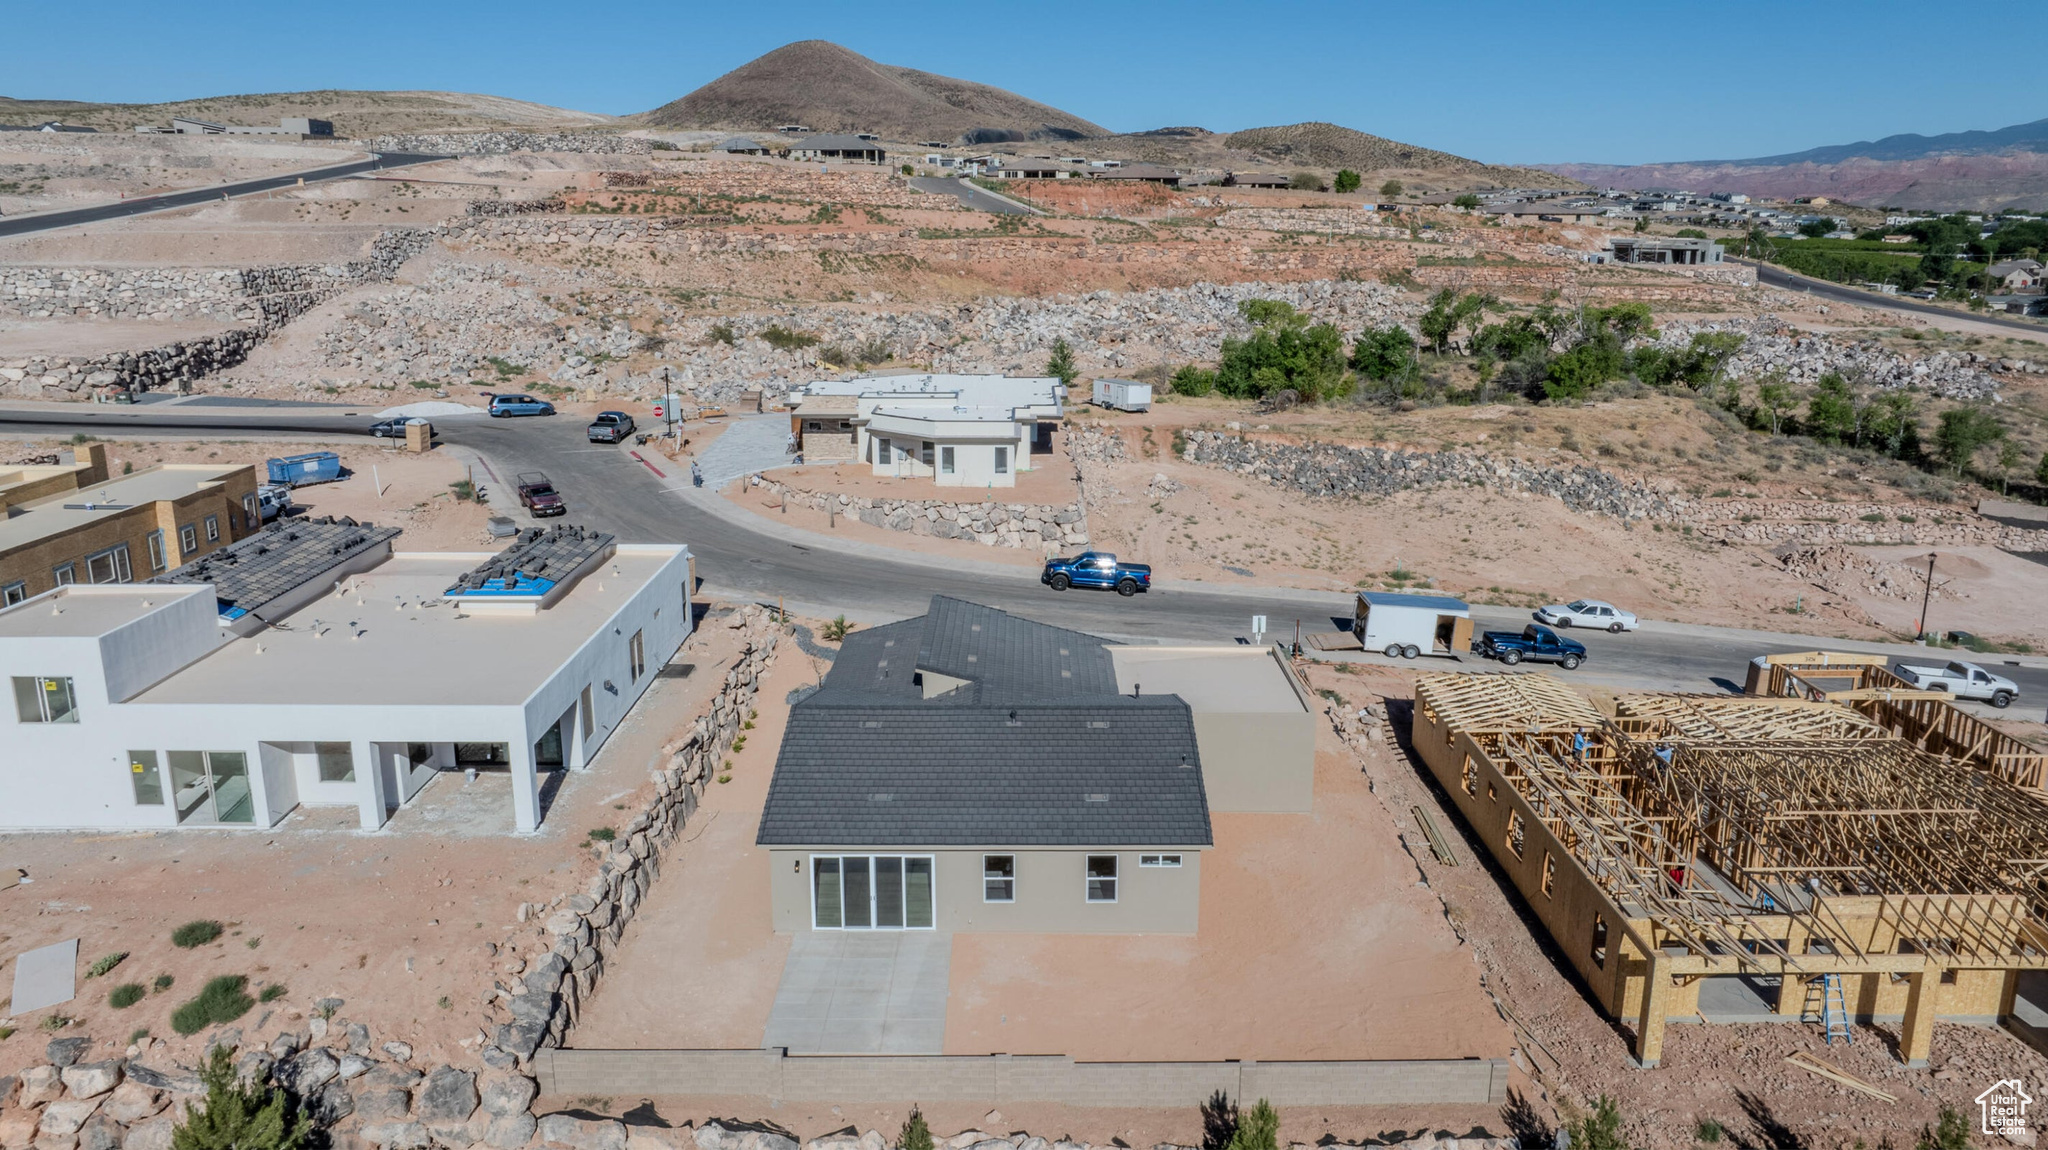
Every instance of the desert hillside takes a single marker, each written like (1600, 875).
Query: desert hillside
(354, 113)
(833, 89)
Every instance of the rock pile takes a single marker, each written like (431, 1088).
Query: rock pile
(1328, 221)
(1329, 471)
(1772, 347)
(543, 997)
(1040, 527)
(501, 208)
(498, 143)
(1846, 572)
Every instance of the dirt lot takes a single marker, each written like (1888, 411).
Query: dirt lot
(399, 923)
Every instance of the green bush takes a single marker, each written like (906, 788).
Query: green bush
(126, 995)
(105, 963)
(1061, 363)
(1384, 353)
(783, 339)
(1468, 201)
(272, 993)
(1257, 1129)
(915, 1134)
(1347, 181)
(240, 1114)
(163, 982)
(1390, 189)
(197, 933)
(604, 834)
(222, 999)
(1192, 380)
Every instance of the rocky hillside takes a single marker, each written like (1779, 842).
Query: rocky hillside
(832, 89)
(1980, 171)
(356, 114)
(1318, 147)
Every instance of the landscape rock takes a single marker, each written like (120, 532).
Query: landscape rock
(131, 1102)
(176, 1079)
(382, 1105)
(571, 1133)
(511, 1131)
(99, 1133)
(396, 1135)
(507, 1093)
(65, 1118)
(155, 1134)
(18, 1128)
(40, 1084)
(63, 1052)
(448, 1096)
(309, 1071)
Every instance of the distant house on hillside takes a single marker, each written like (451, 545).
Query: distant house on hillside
(2017, 275)
(58, 126)
(838, 147)
(1031, 169)
(1663, 250)
(742, 146)
(1253, 180)
(303, 127)
(1139, 173)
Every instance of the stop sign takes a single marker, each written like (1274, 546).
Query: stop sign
(657, 411)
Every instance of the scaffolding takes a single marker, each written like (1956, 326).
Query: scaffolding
(1696, 836)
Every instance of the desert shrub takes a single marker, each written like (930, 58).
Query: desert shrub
(126, 995)
(272, 993)
(1347, 181)
(196, 933)
(915, 1134)
(163, 982)
(720, 333)
(1192, 380)
(783, 339)
(105, 963)
(240, 1113)
(1257, 1129)
(834, 355)
(604, 835)
(222, 999)
(1390, 189)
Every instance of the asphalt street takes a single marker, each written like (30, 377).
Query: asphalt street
(1777, 277)
(968, 193)
(121, 209)
(649, 499)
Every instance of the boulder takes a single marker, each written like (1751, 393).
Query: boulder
(392, 1077)
(353, 1066)
(175, 1078)
(333, 1103)
(766, 1140)
(255, 1066)
(62, 1119)
(396, 1135)
(656, 1138)
(401, 1051)
(99, 1133)
(712, 1136)
(309, 1072)
(507, 1093)
(448, 1096)
(63, 1052)
(18, 1128)
(131, 1102)
(40, 1084)
(383, 1105)
(154, 1134)
(511, 1131)
(563, 1130)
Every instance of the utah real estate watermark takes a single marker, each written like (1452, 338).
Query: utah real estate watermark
(2003, 1108)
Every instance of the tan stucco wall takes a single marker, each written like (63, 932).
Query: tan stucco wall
(35, 563)
(1261, 761)
(1051, 891)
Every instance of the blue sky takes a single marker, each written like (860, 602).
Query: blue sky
(1503, 82)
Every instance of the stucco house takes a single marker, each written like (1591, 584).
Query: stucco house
(956, 430)
(310, 664)
(971, 770)
(2016, 275)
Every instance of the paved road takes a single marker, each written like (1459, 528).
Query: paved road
(611, 490)
(974, 196)
(45, 221)
(1777, 277)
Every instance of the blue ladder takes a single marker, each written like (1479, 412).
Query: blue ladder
(1834, 1010)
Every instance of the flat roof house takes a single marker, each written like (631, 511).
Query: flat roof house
(72, 523)
(838, 147)
(1146, 173)
(1668, 250)
(957, 430)
(309, 664)
(971, 770)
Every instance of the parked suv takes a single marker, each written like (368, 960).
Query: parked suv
(610, 427)
(503, 405)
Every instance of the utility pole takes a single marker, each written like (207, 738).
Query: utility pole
(1925, 595)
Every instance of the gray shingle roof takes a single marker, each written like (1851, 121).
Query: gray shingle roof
(859, 770)
(255, 571)
(1039, 749)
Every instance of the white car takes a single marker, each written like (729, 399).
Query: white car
(1588, 613)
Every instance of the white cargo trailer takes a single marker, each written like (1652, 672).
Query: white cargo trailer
(1123, 394)
(1400, 625)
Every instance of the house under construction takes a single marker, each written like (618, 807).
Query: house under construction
(1870, 857)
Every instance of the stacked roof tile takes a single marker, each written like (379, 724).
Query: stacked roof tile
(251, 573)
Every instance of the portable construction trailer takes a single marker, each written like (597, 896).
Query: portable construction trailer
(1123, 394)
(1401, 625)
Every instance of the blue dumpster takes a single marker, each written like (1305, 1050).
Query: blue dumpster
(300, 470)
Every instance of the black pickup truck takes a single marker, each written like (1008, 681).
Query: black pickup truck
(1536, 643)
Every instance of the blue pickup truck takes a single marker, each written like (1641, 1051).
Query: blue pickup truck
(1098, 569)
(1536, 643)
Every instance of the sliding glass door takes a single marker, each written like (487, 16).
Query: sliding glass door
(871, 892)
(211, 786)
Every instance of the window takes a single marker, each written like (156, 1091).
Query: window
(1549, 872)
(1158, 860)
(1514, 840)
(1492, 795)
(1471, 777)
(66, 575)
(38, 699)
(881, 450)
(924, 452)
(871, 892)
(13, 593)
(1101, 873)
(337, 762)
(251, 515)
(637, 654)
(148, 778)
(1002, 461)
(109, 566)
(156, 551)
(213, 529)
(945, 461)
(999, 878)
(188, 539)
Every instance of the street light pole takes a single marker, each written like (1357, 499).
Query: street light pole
(1925, 595)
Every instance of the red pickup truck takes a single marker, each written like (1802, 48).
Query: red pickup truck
(538, 495)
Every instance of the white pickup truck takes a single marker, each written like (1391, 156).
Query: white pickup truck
(1963, 680)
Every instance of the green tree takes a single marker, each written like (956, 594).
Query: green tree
(1831, 412)
(916, 1135)
(1390, 189)
(1600, 1130)
(1773, 400)
(1384, 353)
(906, 169)
(1269, 313)
(1440, 320)
(1192, 380)
(1815, 229)
(240, 1115)
(1707, 356)
(1061, 362)
(2010, 456)
(1962, 432)
(1470, 313)
(1642, 223)
(1347, 181)
(1951, 1131)
(1279, 356)
(1307, 182)
(1257, 1129)
(1468, 200)
(1691, 234)
(1938, 266)
(1891, 424)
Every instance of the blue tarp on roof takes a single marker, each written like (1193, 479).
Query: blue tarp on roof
(1401, 599)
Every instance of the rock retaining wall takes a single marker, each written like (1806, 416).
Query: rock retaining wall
(498, 143)
(1029, 525)
(544, 998)
(572, 1132)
